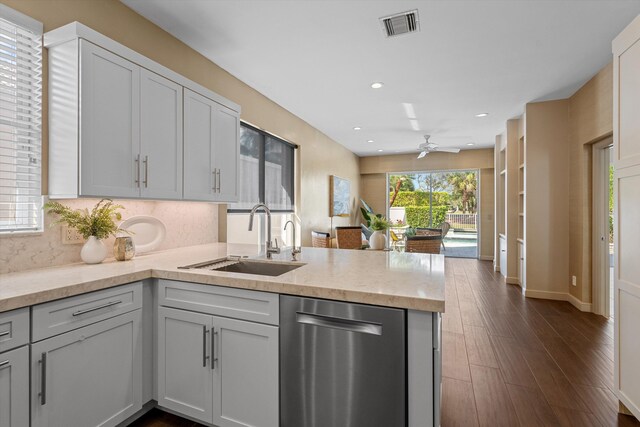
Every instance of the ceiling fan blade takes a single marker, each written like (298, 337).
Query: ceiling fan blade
(448, 150)
(422, 154)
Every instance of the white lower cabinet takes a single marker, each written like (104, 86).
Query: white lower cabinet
(91, 376)
(218, 370)
(14, 388)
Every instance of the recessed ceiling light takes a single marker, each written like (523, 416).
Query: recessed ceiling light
(471, 143)
(357, 128)
(482, 115)
(377, 85)
(371, 140)
(380, 150)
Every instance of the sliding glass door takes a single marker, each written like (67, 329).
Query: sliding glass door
(435, 199)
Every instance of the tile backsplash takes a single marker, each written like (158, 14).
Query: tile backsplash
(188, 223)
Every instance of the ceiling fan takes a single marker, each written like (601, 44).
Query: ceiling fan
(429, 147)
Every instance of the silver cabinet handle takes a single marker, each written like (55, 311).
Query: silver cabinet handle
(137, 170)
(204, 346)
(215, 180)
(43, 379)
(339, 323)
(3, 364)
(88, 310)
(219, 180)
(146, 171)
(214, 359)
(5, 333)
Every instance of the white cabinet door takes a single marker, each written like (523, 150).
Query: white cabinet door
(88, 377)
(503, 256)
(246, 375)
(109, 125)
(160, 137)
(211, 149)
(199, 172)
(184, 370)
(226, 154)
(626, 144)
(521, 265)
(14, 388)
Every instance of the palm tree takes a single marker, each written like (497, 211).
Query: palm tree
(399, 183)
(463, 192)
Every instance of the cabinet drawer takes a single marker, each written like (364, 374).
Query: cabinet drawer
(64, 315)
(14, 329)
(244, 304)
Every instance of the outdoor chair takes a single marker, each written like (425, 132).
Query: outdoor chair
(423, 244)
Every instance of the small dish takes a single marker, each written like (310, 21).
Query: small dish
(147, 232)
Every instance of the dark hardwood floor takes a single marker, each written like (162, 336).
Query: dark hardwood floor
(512, 361)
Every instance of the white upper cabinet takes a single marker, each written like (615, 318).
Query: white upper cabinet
(226, 154)
(160, 137)
(116, 125)
(211, 144)
(109, 125)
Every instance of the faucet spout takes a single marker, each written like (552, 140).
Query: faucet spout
(269, 248)
(294, 250)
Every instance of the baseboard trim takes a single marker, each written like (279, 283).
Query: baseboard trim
(582, 306)
(496, 268)
(486, 258)
(559, 296)
(512, 281)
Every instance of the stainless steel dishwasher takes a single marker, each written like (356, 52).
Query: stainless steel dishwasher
(341, 364)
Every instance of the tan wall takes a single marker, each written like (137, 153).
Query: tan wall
(373, 181)
(547, 204)
(590, 120)
(319, 155)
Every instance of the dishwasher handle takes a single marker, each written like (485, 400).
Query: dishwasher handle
(339, 323)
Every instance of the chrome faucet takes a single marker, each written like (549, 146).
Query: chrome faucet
(294, 251)
(268, 248)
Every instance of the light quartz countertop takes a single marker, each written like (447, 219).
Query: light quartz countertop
(391, 279)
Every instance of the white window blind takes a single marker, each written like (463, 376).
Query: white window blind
(20, 122)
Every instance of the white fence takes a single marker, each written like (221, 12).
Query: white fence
(463, 221)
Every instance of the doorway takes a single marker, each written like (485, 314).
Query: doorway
(603, 247)
(427, 199)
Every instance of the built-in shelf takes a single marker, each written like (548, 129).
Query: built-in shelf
(521, 193)
(503, 172)
(521, 214)
(521, 166)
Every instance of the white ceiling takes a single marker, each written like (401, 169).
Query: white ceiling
(318, 58)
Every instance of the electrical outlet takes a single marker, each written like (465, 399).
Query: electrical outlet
(70, 236)
(574, 281)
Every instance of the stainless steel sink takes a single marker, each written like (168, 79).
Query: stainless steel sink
(246, 266)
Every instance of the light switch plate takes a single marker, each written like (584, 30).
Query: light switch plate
(574, 281)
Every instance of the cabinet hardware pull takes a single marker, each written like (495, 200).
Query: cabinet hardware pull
(339, 323)
(43, 379)
(3, 364)
(138, 170)
(215, 180)
(214, 359)
(5, 333)
(204, 346)
(219, 180)
(146, 171)
(88, 310)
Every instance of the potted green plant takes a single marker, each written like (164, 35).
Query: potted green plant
(378, 239)
(95, 225)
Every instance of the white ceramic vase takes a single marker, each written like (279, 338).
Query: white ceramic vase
(378, 240)
(93, 251)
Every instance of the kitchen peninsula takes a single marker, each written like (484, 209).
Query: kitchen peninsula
(166, 294)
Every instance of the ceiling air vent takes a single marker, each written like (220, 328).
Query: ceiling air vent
(401, 23)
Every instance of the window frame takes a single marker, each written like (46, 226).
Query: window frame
(261, 171)
(9, 228)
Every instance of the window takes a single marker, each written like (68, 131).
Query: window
(20, 122)
(266, 171)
